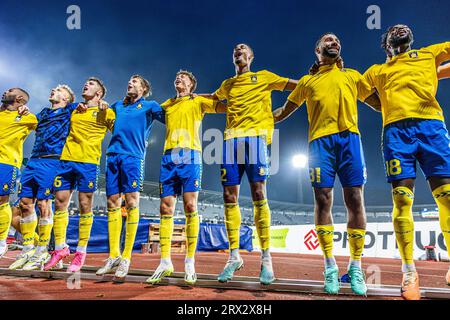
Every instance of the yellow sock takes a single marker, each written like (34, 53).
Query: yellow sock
(165, 235)
(442, 197)
(28, 227)
(233, 224)
(402, 218)
(192, 229)
(45, 229)
(5, 220)
(262, 222)
(132, 225)
(85, 226)
(114, 231)
(356, 239)
(325, 235)
(60, 223)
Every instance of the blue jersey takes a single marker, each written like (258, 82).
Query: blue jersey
(132, 127)
(52, 131)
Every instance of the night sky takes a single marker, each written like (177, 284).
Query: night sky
(158, 38)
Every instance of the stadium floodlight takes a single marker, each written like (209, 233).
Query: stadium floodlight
(299, 161)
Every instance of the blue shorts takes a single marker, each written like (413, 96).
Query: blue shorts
(8, 178)
(76, 176)
(124, 174)
(246, 154)
(37, 178)
(181, 171)
(340, 154)
(426, 141)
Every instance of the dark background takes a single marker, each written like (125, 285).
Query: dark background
(157, 38)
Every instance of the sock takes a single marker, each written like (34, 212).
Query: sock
(28, 227)
(5, 220)
(60, 223)
(233, 224)
(262, 222)
(84, 229)
(442, 198)
(45, 229)
(189, 260)
(132, 225)
(402, 218)
(356, 239)
(114, 230)
(192, 230)
(265, 254)
(325, 235)
(165, 262)
(165, 235)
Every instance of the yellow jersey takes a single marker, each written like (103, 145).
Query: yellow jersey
(331, 100)
(407, 84)
(249, 103)
(87, 130)
(14, 129)
(183, 121)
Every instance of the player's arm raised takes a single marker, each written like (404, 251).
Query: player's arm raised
(290, 85)
(373, 101)
(443, 71)
(284, 112)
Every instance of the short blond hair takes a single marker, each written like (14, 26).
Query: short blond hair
(69, 91)
(100, 83)
(191, 77)
(145, 84)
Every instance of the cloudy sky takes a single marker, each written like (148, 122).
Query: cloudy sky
(157, 38)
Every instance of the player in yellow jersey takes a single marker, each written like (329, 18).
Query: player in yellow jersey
(414, 131)
(79, 170)
(331, 93)
(14, 129)
(181, 169)
(248, 134)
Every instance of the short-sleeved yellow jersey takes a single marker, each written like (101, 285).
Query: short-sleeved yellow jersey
(183, 121)
(14, 129)
(331, 100)
(249, 103)
(87, 130)
(407, 84)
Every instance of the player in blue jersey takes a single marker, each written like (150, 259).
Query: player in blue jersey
(125, 168)
(37, 179)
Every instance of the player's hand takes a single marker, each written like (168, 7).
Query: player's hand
(82, 107)
(103, 105)
(23, 110)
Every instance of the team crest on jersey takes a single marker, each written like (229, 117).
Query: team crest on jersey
(47, 191)
(134, 184)
(5, 187)
(139, 106)
(254, 79)
(414, 54)
(262, 171)
(18, 118)
(91, 185)
(94, 114)
(196, 183)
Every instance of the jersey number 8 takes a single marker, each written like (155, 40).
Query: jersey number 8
(393, 167)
